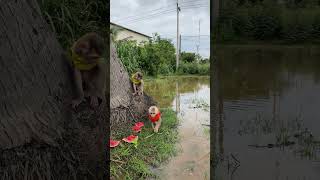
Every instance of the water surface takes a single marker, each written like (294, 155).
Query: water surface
(190, 98)
(270, 123)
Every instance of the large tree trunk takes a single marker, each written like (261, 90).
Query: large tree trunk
(124, 108)
(216, 10)
(40, 136)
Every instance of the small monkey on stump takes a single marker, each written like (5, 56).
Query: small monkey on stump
(137, 83)
(89, 69)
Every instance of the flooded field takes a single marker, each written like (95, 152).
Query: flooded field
(190, 98)
(270, 123)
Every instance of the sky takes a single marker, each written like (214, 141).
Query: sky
(151, 16)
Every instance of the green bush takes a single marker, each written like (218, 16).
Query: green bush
(129, 54)
(157, 57)
(204, 69)
(194, 68)
(152, 58)
(188, 57)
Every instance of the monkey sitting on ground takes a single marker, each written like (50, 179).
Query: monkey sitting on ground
(89, 69)
(155, 118)
(137, 83)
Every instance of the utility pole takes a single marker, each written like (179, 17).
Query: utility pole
(177, 58)
(180, 47)
(198, 59)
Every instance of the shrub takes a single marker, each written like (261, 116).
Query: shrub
(153, 58)
(194, 68)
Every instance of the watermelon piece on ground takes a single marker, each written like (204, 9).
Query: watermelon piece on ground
(114, 143)
(139, 124)
(130, 139)
(136, 129)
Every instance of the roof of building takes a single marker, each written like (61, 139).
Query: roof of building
(130, 30)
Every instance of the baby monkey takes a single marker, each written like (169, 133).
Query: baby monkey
(89, 68)
(137, 83)
(155, 118)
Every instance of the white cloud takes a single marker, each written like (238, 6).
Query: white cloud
(150, 17)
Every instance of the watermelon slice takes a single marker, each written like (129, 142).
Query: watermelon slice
(130, 139)
(136, 129)
(139, 124)
(114, 143)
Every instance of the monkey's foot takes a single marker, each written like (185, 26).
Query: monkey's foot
(155, 130)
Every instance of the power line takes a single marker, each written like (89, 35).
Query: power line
(137, 15)
(150, 15)
(144, 19)
(188, 36)
(159, 13)
(196, 4)
(202, 5)
(184, 4)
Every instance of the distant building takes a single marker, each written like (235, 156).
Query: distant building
(129, 34)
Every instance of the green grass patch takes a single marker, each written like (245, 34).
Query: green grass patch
(206, 131)
(128, 162)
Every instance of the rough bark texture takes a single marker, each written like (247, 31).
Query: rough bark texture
(216, 10)
(124, 108)
(40, 136)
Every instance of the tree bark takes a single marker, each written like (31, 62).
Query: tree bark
(215, 9)
(40, 136)
(124, 108)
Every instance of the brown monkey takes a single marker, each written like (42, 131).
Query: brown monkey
(89, 68)
(155, 118)
(137, 83)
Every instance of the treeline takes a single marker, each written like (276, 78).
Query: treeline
(276, 20)
(158, 57)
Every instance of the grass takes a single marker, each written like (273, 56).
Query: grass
(172, 76)
(206, 131)
(128, 162)
(200, 103)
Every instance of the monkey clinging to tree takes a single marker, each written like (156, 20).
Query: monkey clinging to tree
(89, 69)
(137, 83)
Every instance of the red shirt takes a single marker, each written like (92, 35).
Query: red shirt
(154, 119)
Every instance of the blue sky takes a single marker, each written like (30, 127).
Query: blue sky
(149, 16)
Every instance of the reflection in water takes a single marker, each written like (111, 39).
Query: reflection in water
(189, 96)
(177, 98)
(268, 113)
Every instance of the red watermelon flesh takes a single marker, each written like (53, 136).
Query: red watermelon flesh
(114, 143)
(139, 124)
(130, 138)
(136, 129)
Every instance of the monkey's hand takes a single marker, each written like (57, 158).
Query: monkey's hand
(94, 101)
(76, 103)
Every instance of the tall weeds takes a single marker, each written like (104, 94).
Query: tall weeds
(70, 19)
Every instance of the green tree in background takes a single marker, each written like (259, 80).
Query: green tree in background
(157, 57)
(188, 57)
(152, 58)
